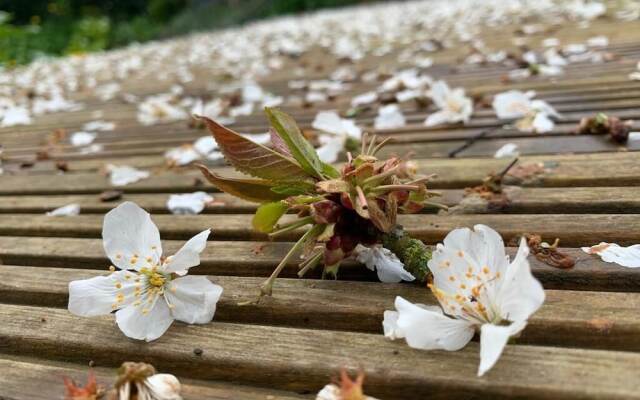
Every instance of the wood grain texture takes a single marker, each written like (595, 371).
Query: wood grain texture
(260, 258)
(577, 200)
(573, 231)
(608, 169)
(568, 318)
(304, 360)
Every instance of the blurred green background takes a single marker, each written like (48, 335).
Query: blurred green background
(33, 28)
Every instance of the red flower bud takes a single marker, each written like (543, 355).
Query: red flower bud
(326, 212)
(346, 201)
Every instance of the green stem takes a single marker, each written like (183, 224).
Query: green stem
(292, 226)
(267, 287)
(412, 252)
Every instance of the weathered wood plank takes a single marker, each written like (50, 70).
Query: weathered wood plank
(304, 360)
(521, 200)
(572, 319)
(260, 258)
(611, 169)
(618, 228)
(24, 378)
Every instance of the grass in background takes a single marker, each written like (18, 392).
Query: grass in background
(35, 28)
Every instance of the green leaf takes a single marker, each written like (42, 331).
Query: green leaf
(299, 147)
(268, 215)
(253, 158)
(255, 190)
(293, 188)
(329, 171)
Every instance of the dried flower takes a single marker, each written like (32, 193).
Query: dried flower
(90, 391)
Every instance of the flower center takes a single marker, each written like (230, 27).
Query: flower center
(154, 278)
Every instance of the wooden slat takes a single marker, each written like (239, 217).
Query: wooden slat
(260, 258)
(25, 378)
(568, 318)
(304, 360)
(620, 169)
(572, 231)
(521, 200)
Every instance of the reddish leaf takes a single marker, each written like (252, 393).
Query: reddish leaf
(252, 158)
(255, 190)
(278, 144)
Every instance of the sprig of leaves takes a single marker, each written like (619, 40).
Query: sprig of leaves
(338, 209)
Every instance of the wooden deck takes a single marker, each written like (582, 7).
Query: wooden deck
(583, 343)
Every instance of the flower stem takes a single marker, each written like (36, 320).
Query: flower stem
(292, 226)
(267, 287)
(412, 252)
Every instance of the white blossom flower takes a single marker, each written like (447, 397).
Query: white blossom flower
(478, 289)
(535, 114)
(190, 203)
(389, 268)
(65, 211)
(148, 292)
(613, 253)
(389, 117)
(508, 150)
(82, 138)
(453, 105)
(121, 175)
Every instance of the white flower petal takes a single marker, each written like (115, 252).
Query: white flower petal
(542, 123)
(65, 211)
(508, 150)
(389, 268)
(614, 253)
(134, 323)
(430, 329)
(493, 339)
(437, 118)
(511, 104)
(329, 392)
(190, 203)
(328, 121)
(124, 175)
(189, 255)
(389, 117)
(331, 148)
(82, 138)
(97, 296)
(193, 299)
(182, 155)
(130, 238)
(390, 325)
(163, 387)
(205, 145)
(520, 294)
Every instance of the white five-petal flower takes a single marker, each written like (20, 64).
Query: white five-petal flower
(478, 289)
(454, 106)
(148, 292)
